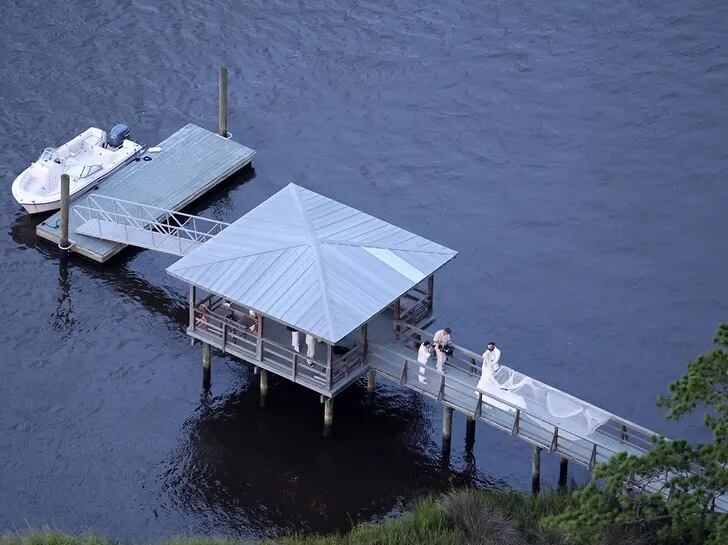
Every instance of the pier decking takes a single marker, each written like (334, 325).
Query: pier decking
(456, 388)
(191, 162)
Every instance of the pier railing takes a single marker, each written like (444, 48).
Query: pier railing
(238, 337)
(457, 388)
(469, 362)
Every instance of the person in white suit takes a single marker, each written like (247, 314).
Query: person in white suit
(442, 338)
(491, 357)
(310, 348)
(423, 356)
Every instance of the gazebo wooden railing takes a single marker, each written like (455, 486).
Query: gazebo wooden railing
(239, 338)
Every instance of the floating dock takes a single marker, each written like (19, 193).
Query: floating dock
(191, 162)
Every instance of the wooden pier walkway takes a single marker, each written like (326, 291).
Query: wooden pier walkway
(191, 162)
(457, 390)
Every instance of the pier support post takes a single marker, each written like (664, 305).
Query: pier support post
(371, 381)
(563, 473)
(65, 211)
(263, 386)
(193, 296)
(223, 102)
(206, 366)
(469, 432)
(446, 428)
(536, 471)
(397, 316)
(430, 293)
(328, 415)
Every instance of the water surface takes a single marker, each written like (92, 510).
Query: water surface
(573, 153)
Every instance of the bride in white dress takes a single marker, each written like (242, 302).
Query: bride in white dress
(494, 390)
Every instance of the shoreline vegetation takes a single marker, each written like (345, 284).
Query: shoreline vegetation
(461, 517)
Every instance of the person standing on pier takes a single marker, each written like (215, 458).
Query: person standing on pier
(295, 339)
(310, 348)
(423, 356)
(491, 363)
(491, 357)
(441, 339)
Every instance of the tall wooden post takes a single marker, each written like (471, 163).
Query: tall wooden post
(259, 340)
(536, 471)
(329, 365)
(430, 293)
(193, 295)
(328, 415)
(372, 375)
(263, 386)
(397, 315)
(364, 341)
(469, 432)
(563, 472)
(446, 428)
(223, 102)
(65, 211)
(206, 366)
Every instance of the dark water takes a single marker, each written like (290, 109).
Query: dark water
(574, 153)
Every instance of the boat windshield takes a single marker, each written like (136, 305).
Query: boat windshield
(49, 154)
(89, 170)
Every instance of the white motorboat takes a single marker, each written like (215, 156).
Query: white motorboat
(87, 158)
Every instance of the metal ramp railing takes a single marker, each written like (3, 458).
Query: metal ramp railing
(143, 225)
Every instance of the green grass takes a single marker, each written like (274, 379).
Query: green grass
(462, 517)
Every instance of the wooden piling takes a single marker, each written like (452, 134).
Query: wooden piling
(206, 366)
(469, 432)
(65, 211)
(263, 386)
(371, 381)
(430, 293)
(563, 472)
(328, 415)
(446, 428)
(223, 102)
(536, 471)
(193, 296)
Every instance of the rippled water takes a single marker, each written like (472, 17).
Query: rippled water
(574, 153)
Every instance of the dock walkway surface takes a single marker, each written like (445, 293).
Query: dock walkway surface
(457, 388)
(192, 161)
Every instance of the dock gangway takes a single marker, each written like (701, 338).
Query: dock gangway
(144, 226)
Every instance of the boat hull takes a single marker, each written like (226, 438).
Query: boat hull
(85, 159)
(41, 208)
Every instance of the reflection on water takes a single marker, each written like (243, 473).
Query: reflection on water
(217, 204)
(63, 316)
(239, 463)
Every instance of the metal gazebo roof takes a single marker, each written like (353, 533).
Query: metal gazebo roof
(315, 264)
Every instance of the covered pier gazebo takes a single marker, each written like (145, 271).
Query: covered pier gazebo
(299, 285)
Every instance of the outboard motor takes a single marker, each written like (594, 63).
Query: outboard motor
(117, 135)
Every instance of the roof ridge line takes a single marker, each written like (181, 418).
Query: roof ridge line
(238, 256)
(315, 246)
(364, 245)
